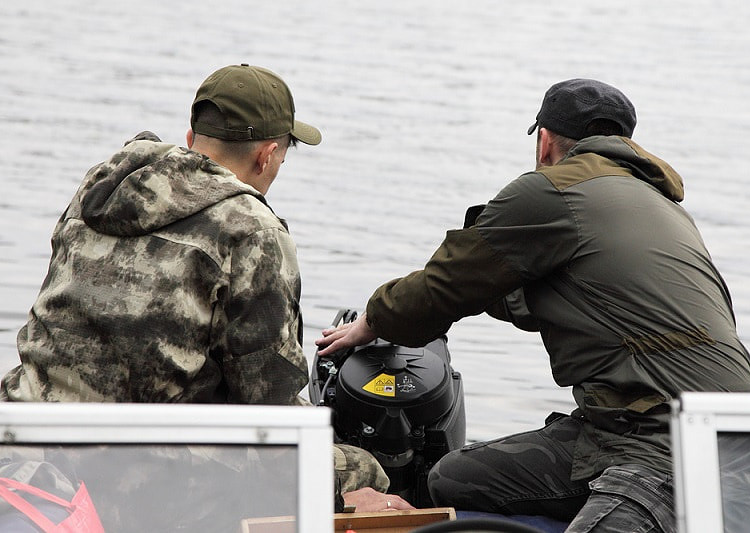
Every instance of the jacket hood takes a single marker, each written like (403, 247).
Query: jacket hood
(149, 184)
(643, 165)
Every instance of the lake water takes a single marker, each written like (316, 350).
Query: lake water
(423, 106)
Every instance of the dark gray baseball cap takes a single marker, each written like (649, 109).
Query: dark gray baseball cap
(569, 107)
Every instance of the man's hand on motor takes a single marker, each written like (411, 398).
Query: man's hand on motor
(345, 336)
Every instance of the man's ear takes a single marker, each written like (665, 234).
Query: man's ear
(190, 137)
(263, 158)
(544, 148)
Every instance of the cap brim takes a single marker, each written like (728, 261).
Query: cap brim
(532, 128)
(306, 133)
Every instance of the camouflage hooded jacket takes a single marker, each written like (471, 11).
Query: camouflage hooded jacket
(170, 281)
(597, 255)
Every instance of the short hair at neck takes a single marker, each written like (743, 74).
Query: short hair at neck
(598, 126)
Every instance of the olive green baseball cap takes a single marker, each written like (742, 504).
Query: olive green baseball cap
(255, 104)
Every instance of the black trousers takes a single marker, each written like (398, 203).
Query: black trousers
(529, 473)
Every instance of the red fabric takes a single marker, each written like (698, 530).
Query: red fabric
(82, 517)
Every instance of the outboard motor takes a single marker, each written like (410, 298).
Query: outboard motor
(403, 405)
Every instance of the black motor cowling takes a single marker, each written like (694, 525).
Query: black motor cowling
(404, 405)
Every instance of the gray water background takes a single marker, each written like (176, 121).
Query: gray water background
(424, 107)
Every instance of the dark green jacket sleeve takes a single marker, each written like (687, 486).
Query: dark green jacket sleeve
(462, 278)
(524, 233)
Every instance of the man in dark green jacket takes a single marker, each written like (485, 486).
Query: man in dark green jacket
(593, 251)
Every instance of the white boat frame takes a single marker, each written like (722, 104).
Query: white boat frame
(696, 421)
(307, 428)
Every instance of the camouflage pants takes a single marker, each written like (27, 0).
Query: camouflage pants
(356, 468)
(529, 473)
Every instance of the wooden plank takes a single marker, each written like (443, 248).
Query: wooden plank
(386, 521)
(272, 524)
(376, 522)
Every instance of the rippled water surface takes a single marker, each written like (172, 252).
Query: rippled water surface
(424, 107)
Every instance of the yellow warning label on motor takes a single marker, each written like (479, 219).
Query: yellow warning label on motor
(383, 385)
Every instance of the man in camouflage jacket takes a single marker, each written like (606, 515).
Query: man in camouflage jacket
(172, 279)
